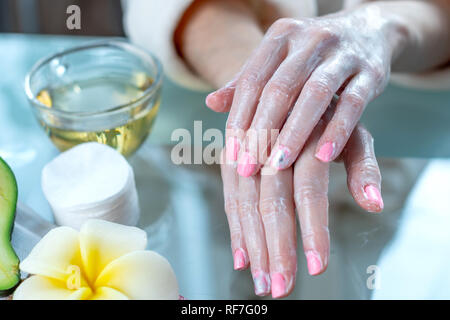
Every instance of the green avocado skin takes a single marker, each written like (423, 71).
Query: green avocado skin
(9, 262)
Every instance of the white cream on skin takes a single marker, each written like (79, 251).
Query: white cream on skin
(91, 180)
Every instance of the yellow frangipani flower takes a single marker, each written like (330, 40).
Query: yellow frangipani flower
(104, 260)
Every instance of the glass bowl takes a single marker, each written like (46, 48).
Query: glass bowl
(107, 91)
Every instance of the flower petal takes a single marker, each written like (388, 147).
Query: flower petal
(55, 255)
(102, 241)
(141, 275)
(105, 293)
(42, 288)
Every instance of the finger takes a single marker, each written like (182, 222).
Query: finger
(221, 99)
(231, 198)
(314, 99)
(254, 76)
(363, 173)
(311, 200)
(349, 109)
(253, 229)
(277, 211)
(277, 99)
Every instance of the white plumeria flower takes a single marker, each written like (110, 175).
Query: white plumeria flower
(104, 260)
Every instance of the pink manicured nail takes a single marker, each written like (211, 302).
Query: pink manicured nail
(278, 285)
(239, 260)
(314, 262)
(232, 149)
(373, 194)
(326, 152)
(247, 165)
(279, 157)
(262, 283)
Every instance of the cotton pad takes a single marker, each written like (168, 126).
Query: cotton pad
(88, 181)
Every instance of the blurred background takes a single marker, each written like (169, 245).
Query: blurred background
(100, 17)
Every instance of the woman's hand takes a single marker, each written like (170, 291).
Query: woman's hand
(260, 211)
(291, 78)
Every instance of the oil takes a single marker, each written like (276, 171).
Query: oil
(99, 95)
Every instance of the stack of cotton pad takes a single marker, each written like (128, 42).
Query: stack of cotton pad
(90, 181)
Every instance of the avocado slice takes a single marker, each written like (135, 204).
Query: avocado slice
(9, 262)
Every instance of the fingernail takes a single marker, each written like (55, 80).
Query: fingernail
(262, 283)
(314, 262)
(326, 152)
(278, 285)
(373, 194)
(247, 165)
(232, 146)
(239, 259)
(279, 157)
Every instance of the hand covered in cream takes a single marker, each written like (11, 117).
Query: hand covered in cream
(103, 261)
(291, 78)
(261, 211)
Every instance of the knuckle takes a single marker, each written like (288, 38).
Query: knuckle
(366, 165)
(355, 100)
(231, 207)
(365, 134)
(326, 80)
(320, 87)
(278, 90)
(363, 131)
(235, 123)
(267, 206)
(280, 258)
(284, 25)
(235, 234)
(249, 81)
(271, 205)
(246, 206)
(324, 34)
(342, 128)
(328, 76)
(256, 254)
(378, 73)
(351, 57)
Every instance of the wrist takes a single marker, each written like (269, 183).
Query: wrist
(392, 26)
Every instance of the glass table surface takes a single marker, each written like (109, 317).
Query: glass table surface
(182, 206)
